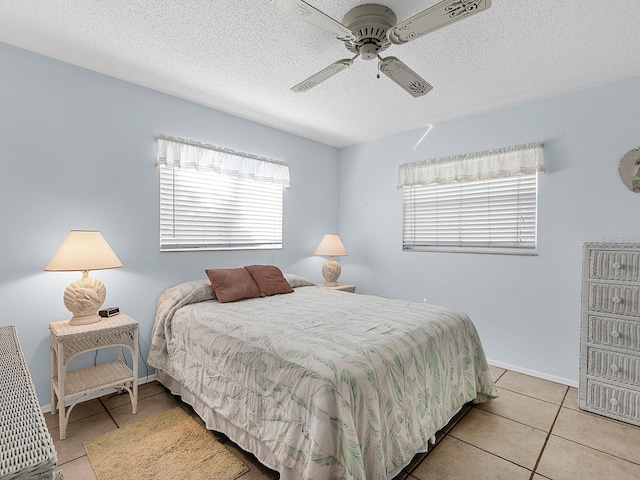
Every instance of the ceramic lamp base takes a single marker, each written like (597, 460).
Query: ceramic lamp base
(83, 298)
(331, 271)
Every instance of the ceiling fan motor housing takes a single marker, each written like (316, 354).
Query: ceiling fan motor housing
(369, 23)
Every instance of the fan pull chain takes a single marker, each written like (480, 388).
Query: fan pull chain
(379, 61)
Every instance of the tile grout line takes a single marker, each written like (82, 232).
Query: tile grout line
(490, 453)
(582, 412)
(109, 413)
(448, 433)
(106, 410)
(444, 434)
(537, 398)
(546, 440)
(518, 421)
(598, 450)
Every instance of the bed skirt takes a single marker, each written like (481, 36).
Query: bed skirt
(244, 440)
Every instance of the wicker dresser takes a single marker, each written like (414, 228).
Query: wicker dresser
(610, 331)
(26, 448)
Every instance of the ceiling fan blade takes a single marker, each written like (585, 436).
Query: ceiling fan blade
(437, 16)
(323, 74)
(404, 76)
(316, 18)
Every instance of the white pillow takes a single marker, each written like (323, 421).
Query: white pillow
(298, 281)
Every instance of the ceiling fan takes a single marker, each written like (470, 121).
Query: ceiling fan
(368, 29)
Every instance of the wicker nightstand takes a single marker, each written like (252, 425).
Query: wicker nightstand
(67, 341)
(343, 287)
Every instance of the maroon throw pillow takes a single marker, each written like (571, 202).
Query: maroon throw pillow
(269, 279)
(232, 284)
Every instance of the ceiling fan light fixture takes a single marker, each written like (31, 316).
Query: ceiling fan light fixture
(369, 51)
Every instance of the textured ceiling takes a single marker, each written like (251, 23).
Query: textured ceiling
(242, 56)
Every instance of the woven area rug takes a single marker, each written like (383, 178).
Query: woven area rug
(169, 445)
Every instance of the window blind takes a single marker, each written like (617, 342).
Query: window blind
(497, 215)
(484, 202)
(209, 211)
(217, 199)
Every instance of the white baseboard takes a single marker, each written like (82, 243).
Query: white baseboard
(141, 381)
(534, 373)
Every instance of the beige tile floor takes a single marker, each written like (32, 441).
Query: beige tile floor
(534, 431)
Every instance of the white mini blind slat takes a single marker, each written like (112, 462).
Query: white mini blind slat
(209, 211)
(496, 215)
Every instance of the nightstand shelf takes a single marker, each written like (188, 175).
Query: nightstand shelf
(94, 379)
(68, 341)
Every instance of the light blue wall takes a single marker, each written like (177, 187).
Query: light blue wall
(77, 152)
(525, 308)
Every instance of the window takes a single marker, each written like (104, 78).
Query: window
(483, 203)
(218, 199)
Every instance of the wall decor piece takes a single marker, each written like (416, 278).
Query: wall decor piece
(629, 169)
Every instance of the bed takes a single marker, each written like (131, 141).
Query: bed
(318, 383)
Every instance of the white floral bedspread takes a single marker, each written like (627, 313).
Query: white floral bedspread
(337, 385)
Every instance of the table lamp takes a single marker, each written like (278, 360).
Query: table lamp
(83, 251)
(331, 246)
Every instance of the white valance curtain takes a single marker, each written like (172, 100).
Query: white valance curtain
(186, 154)
(504, 162)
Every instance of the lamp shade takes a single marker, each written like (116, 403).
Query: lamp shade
(82, 251)
(331, 246)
